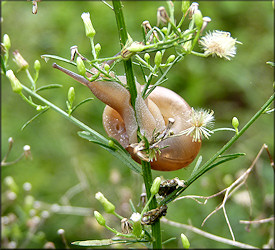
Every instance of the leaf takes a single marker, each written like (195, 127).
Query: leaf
(82, 102)
(90, 137)
(94, 243)
(29, 121)
(117, 150)
(50, 86)
(58, 58)
(232, 155)
(198, 163)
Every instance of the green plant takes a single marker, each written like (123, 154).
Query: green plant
(153, 75)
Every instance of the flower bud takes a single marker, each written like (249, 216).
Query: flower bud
(39, 108)
(158, 58)
(111, 143)
(164, 30)
(71, 95)
(235, 123)
(170, 59)
(147, 57)
(137, 228)
(6, 41)
(97, 48)
(80, 66)
(20, 61)
(198, 18)
(155, 186)
(100, 219)
(108, 206)
(185, 6)
(37, 65)
(15, 84)
(185, 241)
(107, 67)
(89, 29)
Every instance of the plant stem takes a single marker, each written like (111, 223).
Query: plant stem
(123, 38)
(209, 164)
(148, 180)
(146, 167)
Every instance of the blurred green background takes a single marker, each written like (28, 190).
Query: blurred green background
(64, 164)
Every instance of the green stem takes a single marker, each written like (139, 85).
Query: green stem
(146, 167)
(31, 79)
(209, 164)
(123, 38)
(148, 180)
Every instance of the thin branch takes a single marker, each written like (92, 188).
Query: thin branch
(229, 191)
(257, 221)
(208, 235)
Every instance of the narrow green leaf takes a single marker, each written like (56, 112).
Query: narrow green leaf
(90, 137)
(96, 243)
(29, 121)
(82, 102)
(47, 57)
(51, 86)
(118, 151)
(198, 163)
(232, 155)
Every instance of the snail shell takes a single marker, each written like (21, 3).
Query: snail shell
(162, 104)
(121, 121)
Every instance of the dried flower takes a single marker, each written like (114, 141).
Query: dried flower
(20, 61)
(219, 43)
(193, 8)
(34, 7)
(125, 226)
(200, 119)
(162, 16)
(27, 152)
(206, 20)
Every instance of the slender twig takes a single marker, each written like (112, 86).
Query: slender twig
(208, 235)
(257, 221)
(228, 192)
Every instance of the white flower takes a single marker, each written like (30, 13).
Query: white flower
(219, 43)
(135, 217)
(200, 119)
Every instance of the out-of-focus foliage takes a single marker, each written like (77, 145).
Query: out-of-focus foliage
(62, 160)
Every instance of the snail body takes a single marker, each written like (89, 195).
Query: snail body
(151, 115)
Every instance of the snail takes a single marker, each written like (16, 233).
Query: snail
(160, 109)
